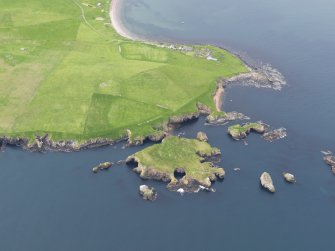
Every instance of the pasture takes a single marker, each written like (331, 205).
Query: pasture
(66, 72)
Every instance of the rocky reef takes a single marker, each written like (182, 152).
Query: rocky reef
(189, 157)
(102, 166)
(276, 134)
(148, 193)
(266, 182)
(238, 131)
(330, 160)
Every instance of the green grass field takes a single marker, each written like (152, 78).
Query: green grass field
(65, 73)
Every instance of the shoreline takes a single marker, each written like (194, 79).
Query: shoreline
(259, 76)
(218, 98)
(265, 77)
(114, 15)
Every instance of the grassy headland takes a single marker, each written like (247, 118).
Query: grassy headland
(64, 71)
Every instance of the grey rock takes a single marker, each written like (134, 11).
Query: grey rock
(289, 177)
(201, 136)
(330, 160)
(102, 166)
(148, 193)
(276, 134)
(267, 183)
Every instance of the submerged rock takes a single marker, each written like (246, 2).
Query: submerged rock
(148, 193)
(266, 182)
(330, 160)
(289, 177)
(201, 136)
(275, 134)
(102, 166)
(238, 132)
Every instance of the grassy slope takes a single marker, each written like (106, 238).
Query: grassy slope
(66, 74)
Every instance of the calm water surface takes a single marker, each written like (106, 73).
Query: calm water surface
(53, 202)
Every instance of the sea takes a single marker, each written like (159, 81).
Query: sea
(53, 201)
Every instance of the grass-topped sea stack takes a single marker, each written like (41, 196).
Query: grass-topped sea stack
(238, 131)
(190, 157)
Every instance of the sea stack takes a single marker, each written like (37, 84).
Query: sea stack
(289, 177)
(148, 193)
(201, 136)
(266, 182)
(238, 131)
(102, 166)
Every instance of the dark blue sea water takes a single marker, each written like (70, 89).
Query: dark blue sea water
(52, 201)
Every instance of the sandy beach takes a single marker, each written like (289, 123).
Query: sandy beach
(114, 13)
(218, 98)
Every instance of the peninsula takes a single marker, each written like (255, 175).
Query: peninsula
(72, 80)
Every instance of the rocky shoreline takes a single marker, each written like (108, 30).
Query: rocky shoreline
(45, 143)
(258, 78)
(261, 77)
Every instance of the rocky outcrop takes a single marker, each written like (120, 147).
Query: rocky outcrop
(262, 77)
(180, 119)
(214, 156)
(275, 134)
(148, 193)
(201, 136)
(266, 182)
(238, 132)
(220, 118)
(102, 166)
(203, 109)
(330, 160)
(152, 173)
(289, 177)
